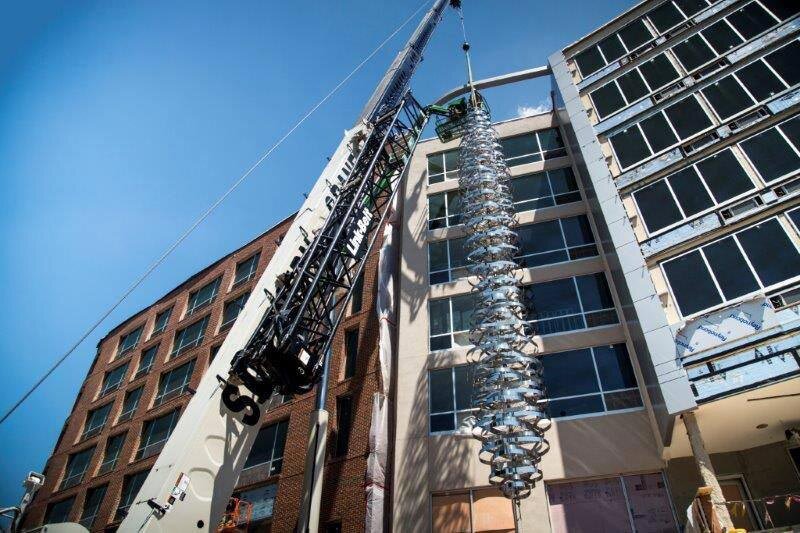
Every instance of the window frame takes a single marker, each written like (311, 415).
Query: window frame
(88, 432)
(272, 469)
(233, 301)
(447, 208)
(178, 350)
(88, 521)
(165, 313)
(445, 171)
(743, 297)
(624, 47)
(143, 449)
(193, 306)
(350, 367)
(776, 127)
(52, 505)
(455, 412)
(122, 507)
(555, 197)
(343, 438)
(127, 415)
(107, 387)
(71, 479)
(101, 468)
(143, 371)
(121, 349)
(255, 258)
(161, 397)
(540, 155)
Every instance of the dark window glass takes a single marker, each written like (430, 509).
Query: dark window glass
(760, 80)
(95, 420)
(693, 52)
(113, 449)
(463, 378)
(438, 262)
(785, 63)
(590, 61)
(91, 505)
(130, 488)
(162, 319)
(783, 9)
(791, 128)
(724, 175)
(562, 180)
(729, 267)
(436, 207)
(268, 447)
(657, 206)
(202, 297)
(246, 269)
(58, 512)
(551, 299)
(550, 139)
(727, 97)
(607, 99)
(129, 341)
(577, 230)
(525, 189)
(772, 156)
(691, 7)
(463, 307)
(439, 312)
(190, 336)
(632, 85)
(146, 360)
(630, 147)
(77, 464)
(112, 379)
(233, 308)
(174, 383)
(155, 434)
(771, 252)
(575, 406)
(658, 71)
(344, 423)
(612, 48)
(614, 367)
(541, 237)
(795, 217)
(358, 294)
(665, 16)
(130, 404)
(594, 292)
(658, 132)
(721, 37)
(751, 20)
(687, 117)
(521, 149)
(635, 34)
(453, 208)
(689, 190)
(691, 283)
(441, 390)
(569, 373)
(350, 352)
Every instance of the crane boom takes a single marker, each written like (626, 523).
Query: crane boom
(283, 333)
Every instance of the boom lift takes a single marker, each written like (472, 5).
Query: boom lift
(282, 337)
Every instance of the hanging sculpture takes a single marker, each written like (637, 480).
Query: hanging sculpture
(508, 390)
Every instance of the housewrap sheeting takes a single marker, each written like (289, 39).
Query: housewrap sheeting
(379, 428)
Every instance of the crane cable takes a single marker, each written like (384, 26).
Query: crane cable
(206, 214)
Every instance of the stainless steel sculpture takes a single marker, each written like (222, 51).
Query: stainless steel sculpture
(508, 391)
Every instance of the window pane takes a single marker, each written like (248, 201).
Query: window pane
(614, 367)
(730, 269)
(751, 20)
(607, 99)
(562, 180)
(771, 154)
(441, 390)
(632, 85)
(463, 307)
(629, 146)
(785, 63)
(760, 80)
(721, 37)
(693, 52)
(687, 117)
(444, 422)
(344, 419)
(612, 48)
(530, 186)
(770, 251)
(435, 164)
(577, 230)
(576, 406)
(657, 206)
(783, 9)
(622, 400)
(519, 146)
(658, 132)
(59, 512)
(161, 321)
(542, 237)
(261, 452)
(436, 206)
(439, 315)
(463, 377)
(94, 498)
(791, 128)
(437, 256)
(451, 163)
(357, 298)
(551, 299)
(724, 175)
(727, 97)
(692, 196)
(635, 34)
(569, 373)
(454, 208)
(691, 283)
(658, 71)
(665, 16)
(691, 7)
(596, 505)
(351, 352)
(589, 61)
(594, 292)
(458, 255)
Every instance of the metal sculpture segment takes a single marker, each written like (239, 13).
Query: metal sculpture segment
(508, 391)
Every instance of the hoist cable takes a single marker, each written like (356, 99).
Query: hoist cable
(206, 214)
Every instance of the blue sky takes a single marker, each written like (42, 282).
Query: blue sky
(121, 121)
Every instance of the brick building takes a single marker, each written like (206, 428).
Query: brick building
(144, 373)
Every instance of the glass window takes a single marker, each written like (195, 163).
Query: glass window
(784, 61)
(771, 153)
(202, 297)
(690, 192)
(189, 337)
(447, 260)
(612, 48)
(544, 189)
(344, 424)
(687, 117)
(268, 447)
(665, 16)
(724, 175)
(450, 321)
(130, 488)
(691, 7)
(634, 34)
(760, 81)
(727, 97)
(693, 52)
(262, 500)
(357, 298)
(632, 85)
(607, 99)
(781, 8)
(442, 166)
(722, 37)
(91, 505)
(246, 269)
(58, 512)
(657, 132)
(350, 352)
(174, 383)
(450, 393)
(732, 267)
(130, 404)
(95, 420)
(629, 146)
(555, 241)
(472, 511)
(112, 452)
(146, 361)
(128, 342)
(658, 71)
(77, 465)
(162, 319)
(590, 61)
(532, 147)
(591, 380)
(232, 309)
(155, 434)
(751, 20)
(657, 206)
(444, 210)
(112, 379)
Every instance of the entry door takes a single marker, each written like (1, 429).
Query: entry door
(743, 516)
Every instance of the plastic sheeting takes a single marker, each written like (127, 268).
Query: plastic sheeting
(379, 427)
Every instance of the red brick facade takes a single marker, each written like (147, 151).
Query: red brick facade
(344, 498)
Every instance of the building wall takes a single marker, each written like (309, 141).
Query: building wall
(343, 496)
(426, 463)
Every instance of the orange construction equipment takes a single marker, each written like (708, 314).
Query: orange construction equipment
(237, 516)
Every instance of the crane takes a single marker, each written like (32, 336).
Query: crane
(281, 339)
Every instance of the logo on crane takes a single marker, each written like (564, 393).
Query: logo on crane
(359, 231)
